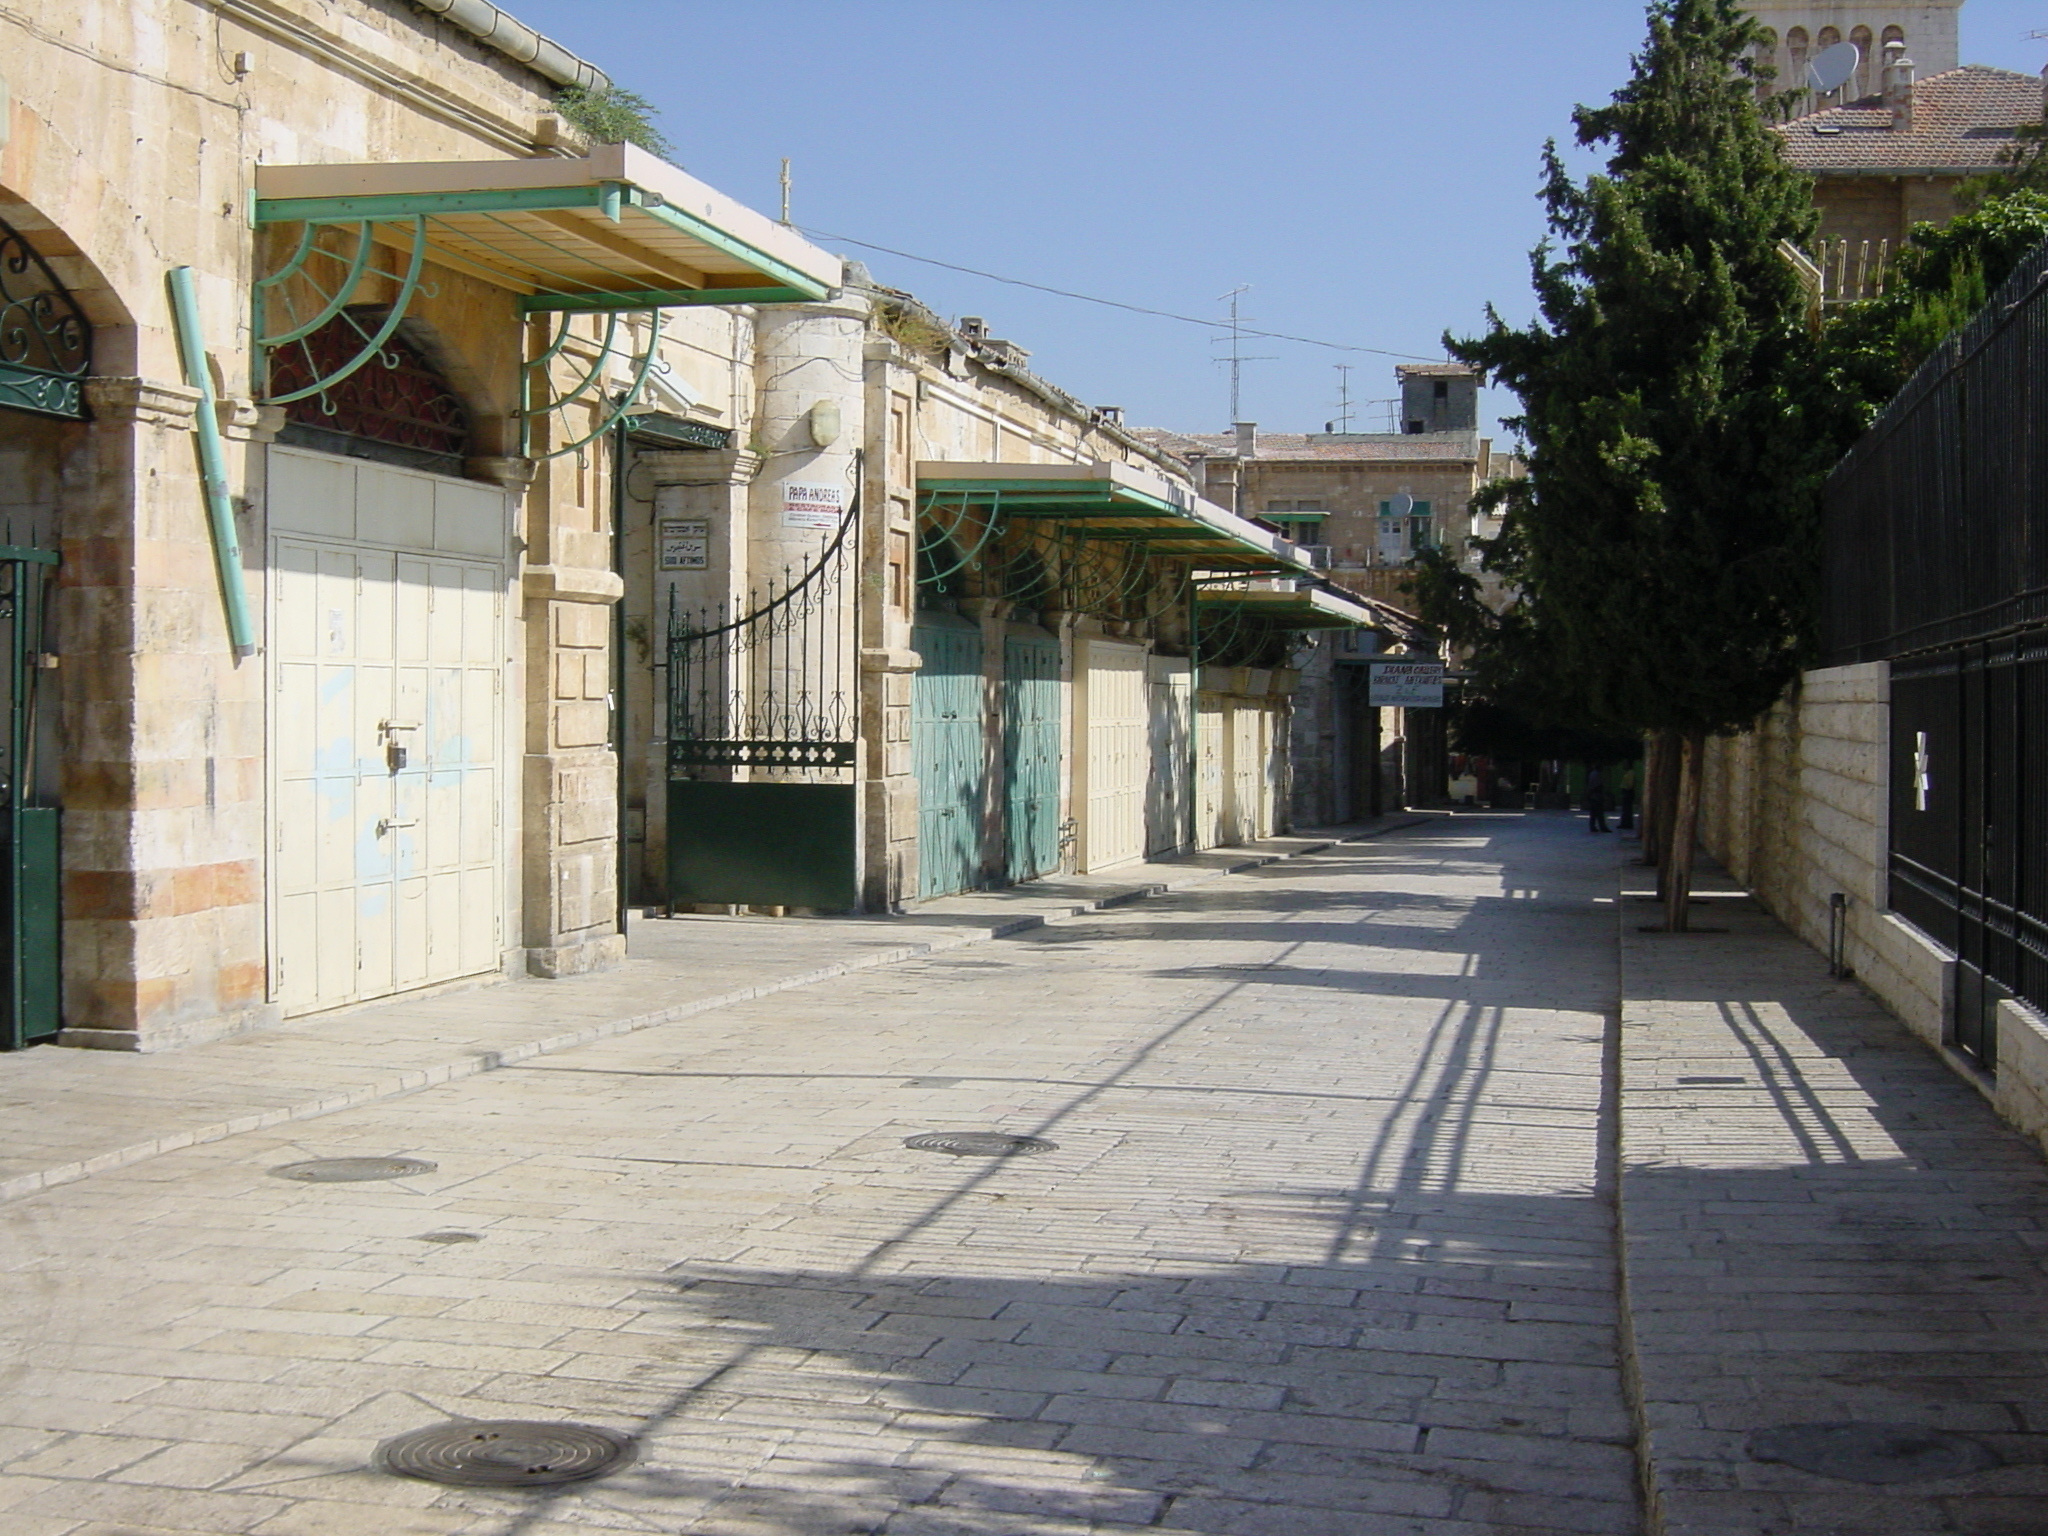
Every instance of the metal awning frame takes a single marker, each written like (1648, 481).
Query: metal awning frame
(532, 257)
(1109, 510)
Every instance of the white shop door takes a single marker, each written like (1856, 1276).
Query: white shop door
(1119, 728)
(1247, 772)
(387, 745)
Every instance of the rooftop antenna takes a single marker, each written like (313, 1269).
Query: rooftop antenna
(785, 189)
(1237, 356)
(1343, 396)
(1831, 68)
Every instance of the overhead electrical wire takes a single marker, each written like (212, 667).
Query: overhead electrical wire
(1089, 298)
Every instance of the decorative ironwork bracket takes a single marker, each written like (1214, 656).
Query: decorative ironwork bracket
(541, 400)
(45, 337)
(333, 303)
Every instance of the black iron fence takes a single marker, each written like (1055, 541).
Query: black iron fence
(1935, 530)
(1937, 563)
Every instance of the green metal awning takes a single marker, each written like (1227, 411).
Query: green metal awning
(1115, 503)
(614, 234)
(1290, 607)
(618, 229)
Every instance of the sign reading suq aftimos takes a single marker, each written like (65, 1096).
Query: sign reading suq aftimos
(1398, 683)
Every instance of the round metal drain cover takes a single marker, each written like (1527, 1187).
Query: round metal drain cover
(351, 1170)
(451, 1237)
(505, 1453)
(1873, 1453)
(979, 1144)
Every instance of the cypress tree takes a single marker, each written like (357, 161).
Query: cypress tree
(1678, 418)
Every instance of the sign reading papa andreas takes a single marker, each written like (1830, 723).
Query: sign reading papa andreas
(1397, 683)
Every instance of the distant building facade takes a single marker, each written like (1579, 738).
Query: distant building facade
(1366, 503)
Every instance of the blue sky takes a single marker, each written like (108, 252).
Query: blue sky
(1368, 169)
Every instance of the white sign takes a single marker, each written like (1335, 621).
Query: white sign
(812, 506)
(1397, 683)
(685, 544)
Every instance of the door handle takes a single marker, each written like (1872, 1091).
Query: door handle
(386, 825)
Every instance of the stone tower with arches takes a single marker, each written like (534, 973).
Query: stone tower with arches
(1802, 29)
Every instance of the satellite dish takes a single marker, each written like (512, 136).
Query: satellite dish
(1832, 67)
(1401, 505)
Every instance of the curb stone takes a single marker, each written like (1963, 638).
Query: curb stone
(475, 1063)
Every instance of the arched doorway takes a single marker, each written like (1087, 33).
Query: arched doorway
(45, 358)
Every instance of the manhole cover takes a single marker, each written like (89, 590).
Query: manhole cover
(350, 1170)
(1873, 1453)
(451, 1237)
(979, 1144)
(505, 1453)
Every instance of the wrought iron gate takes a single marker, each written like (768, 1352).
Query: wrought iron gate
(1031, 755)
(761, 740)
(1969, 821)
(29, 889)
(946, 745)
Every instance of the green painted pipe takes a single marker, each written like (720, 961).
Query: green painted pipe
(220, 511)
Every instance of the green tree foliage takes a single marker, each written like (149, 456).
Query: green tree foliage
(1677, 412)
(1942, 276)
(1673, 399)
(614, 115)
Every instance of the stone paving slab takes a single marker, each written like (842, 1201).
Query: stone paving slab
(1822, 1223)
(1324, 1248)
(66, 1114)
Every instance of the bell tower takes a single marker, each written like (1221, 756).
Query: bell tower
(1802, 29)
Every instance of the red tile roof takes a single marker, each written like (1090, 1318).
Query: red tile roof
(1962, 120)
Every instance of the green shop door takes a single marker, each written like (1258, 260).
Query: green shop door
(946, 735)
(1031, 755)
(29, 915)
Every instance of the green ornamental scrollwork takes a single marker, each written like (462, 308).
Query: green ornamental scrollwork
(45, 337)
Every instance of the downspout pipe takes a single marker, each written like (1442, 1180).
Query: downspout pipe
(622, 874)
(518, 42)
(220, 511)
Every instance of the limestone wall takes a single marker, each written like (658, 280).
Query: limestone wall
(1796, 809)
(130, 131)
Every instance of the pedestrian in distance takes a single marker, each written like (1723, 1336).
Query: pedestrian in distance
(1596, 801)
(1628, 799)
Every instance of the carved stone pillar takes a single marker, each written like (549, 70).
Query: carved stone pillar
(162, 736)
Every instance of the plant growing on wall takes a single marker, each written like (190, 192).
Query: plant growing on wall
(1943, 275)
(1678, 415)
(613, 115)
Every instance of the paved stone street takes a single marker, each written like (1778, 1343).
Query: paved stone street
(1326, 1246)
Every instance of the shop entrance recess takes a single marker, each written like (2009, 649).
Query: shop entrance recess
(29, 906)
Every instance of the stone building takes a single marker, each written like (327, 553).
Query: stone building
(317, 319)
(1801, 31)
(1364, 504)
(938, 625)
(1888, 161)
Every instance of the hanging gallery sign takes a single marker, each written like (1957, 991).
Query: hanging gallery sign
(1396, 682)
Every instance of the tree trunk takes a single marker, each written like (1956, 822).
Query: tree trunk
(1663, 805)
(1685, 831)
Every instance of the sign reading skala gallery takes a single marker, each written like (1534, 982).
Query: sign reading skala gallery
(1399, 683)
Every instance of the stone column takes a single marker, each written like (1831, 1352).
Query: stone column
(162, 738)
(569, 789)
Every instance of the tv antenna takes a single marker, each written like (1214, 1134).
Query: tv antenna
(1343, 396)
(1237, 357)
(1831, 68)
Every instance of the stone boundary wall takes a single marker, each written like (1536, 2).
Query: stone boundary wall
(1796, 809)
